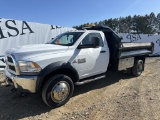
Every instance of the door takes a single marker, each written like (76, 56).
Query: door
(92, 61)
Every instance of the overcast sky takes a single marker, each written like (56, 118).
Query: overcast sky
(69, 13)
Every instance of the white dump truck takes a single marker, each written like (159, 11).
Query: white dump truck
(72, 58)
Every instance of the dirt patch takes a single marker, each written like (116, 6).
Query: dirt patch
(118, 96)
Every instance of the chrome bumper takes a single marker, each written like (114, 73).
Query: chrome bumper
(23, 83)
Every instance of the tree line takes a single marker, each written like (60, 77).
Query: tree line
(147, 24)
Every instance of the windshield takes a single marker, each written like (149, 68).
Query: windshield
(66, 39)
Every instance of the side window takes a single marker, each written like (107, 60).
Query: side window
(88, 39)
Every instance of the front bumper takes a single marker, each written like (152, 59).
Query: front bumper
(23, 83)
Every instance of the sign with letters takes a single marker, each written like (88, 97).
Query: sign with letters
(13, 31)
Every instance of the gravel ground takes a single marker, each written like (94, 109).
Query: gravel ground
(118, 96)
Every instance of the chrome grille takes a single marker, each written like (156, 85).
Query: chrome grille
(11, 64)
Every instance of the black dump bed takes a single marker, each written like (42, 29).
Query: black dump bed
(120, 50)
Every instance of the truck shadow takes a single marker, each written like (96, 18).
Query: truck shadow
(111, 78)
(14, 106)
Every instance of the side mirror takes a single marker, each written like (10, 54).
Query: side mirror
(95, 42)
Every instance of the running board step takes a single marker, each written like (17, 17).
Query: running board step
(89, 80)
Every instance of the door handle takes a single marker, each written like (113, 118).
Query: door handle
(103, 51)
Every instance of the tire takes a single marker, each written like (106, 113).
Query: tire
(138, 68)
(58, 90)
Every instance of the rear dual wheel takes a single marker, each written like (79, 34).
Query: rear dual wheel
(137, 69)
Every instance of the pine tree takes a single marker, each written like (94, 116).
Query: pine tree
(147, 24)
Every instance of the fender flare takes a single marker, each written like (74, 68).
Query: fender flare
(53, 67)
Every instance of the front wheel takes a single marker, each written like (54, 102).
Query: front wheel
(57, 90)
(138, 68)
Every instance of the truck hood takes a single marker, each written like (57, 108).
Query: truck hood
(29, 51)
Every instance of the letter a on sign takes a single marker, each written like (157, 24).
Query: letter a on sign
(25, 26)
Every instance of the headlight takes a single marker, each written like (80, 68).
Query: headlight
(29, 66)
